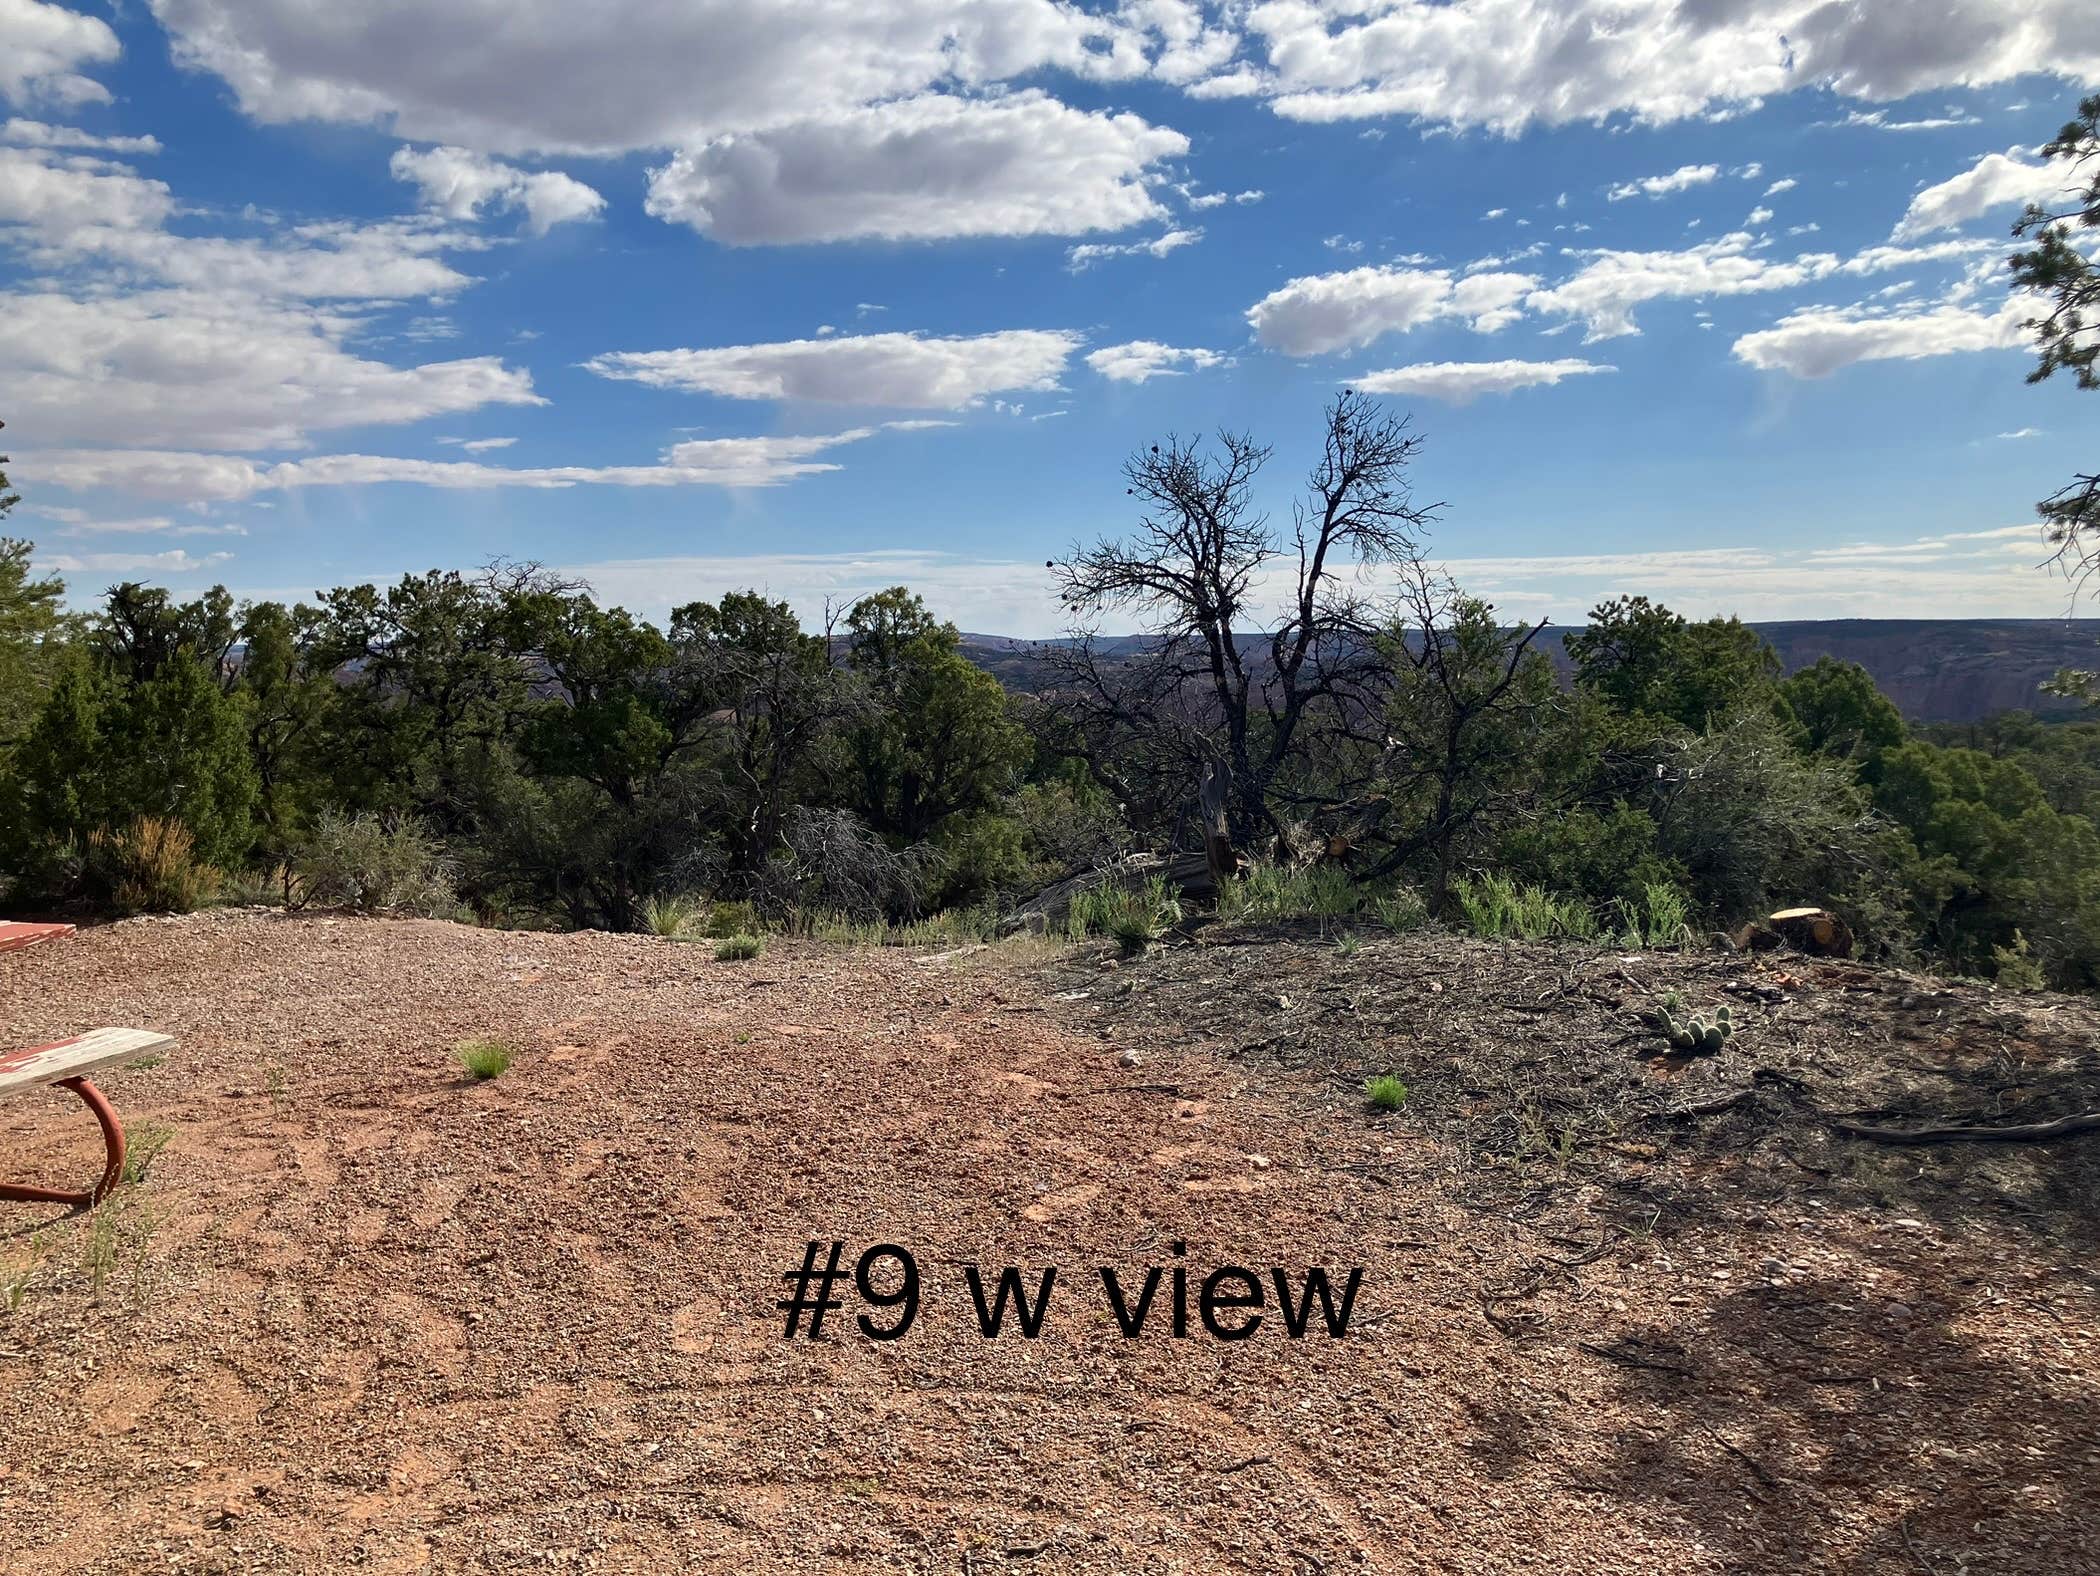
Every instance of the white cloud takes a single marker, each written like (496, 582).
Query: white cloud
(176, 561)
(459, 184)
(1080, 258)
(1759, 215)
(1461, 382)
(1778, 187)
(986, 595)
(1611, 284)
(908, 371)
(927, 168)
(63, 210)
(1683, 178)
(517, 76)
(55, 197)
(1143, 359)
(214, 371)
(42, 48)
(765, 461)
(1960, 574)
(1996, 180)
(1821, 340)
(1317, 313)
(479, 445)
(1505, 64)
(41, 134)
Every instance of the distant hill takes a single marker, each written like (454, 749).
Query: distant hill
(1934, 669)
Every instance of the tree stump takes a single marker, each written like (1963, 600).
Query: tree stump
(1815, 931)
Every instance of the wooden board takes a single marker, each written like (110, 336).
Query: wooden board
(14, 934)
(84, 1053)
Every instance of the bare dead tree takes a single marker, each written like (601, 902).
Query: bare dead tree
(1259, 639)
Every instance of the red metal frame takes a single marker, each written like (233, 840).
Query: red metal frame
(113, 1149)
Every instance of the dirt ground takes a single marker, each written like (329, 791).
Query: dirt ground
(1619, 1311)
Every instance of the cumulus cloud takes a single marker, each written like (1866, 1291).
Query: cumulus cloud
(927, 168)
(1461, 382)
(1777, 187)
(1317, 313)
(61, 210)
(460, 184)
(517, 76)
(1139, 360)
(1821, 340)
(905, 371)
(1997, 180)
(43, 48)
(1505, 64)
(215, 371)
(1683, 178)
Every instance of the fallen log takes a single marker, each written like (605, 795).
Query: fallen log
(2028, 1133)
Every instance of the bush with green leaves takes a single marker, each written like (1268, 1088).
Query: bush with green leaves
(739, 948)
(374, 864)
(150, 866)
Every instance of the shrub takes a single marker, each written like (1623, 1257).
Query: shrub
(670, 917)
(150, 867)
(484, 1058)
(731, 919)
(740, 948)
(1385, 1093)
(2018, 969)
(369, 863)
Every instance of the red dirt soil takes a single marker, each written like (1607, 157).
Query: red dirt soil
(364, 1313)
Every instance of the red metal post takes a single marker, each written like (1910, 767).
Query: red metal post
(113, 1149)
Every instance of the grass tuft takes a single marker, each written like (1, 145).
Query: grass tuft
(670, 917)
(484, 1059)
(1385, 1093)
(739, 948)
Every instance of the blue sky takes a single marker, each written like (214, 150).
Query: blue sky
(1705, 301)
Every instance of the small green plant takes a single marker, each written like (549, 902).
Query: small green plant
(483, 1058)
(1385, 1093)
(1495, 907)
(2017, 967)
(1657, 920)
(669, 917)
(1400, 909)
(15, 1284)
(731, 919)
(145, 1142)
(1134, 919)
(1696, 1034)
(739, 948)
(1349, 944)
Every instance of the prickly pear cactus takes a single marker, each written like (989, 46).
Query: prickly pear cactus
(1697, 1033)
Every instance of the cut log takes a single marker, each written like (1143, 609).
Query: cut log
(1816, 931)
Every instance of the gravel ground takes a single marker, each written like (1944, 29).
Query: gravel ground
(364, 1313)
